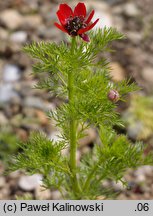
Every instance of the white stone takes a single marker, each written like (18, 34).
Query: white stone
(105, 19)
(118, 185)
(131, 9)
(29, 183)
(11, 19)
(11, 73)
(56, 195)
(147, 74)
(7, 93)
(42, 193)
(102, 11)
(32, 21)
(19, 37)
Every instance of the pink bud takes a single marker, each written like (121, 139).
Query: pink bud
(113, 95)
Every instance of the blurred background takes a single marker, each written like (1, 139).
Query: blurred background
(22, 108)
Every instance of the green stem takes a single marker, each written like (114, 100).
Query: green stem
(73, 128)
(87, 182)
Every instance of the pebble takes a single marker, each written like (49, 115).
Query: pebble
(2, 182)
(117, 71)
(90, 137)
(147, 74)
(15, 174)
(103, 12)
(19, 37)
(42, 193)
(135, 37)
(11, 73)
(56, 195)
(3, 34)
(29, 183)
(144, 170)
(32, 21)
(7, 93)
(43, 119)
(11, 19)
(135, 129)
(4, 193)
(117, 186)
(34, 102)
(131, 10)
(105, 19)
(3, 119)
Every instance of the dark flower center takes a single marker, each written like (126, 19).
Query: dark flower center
(74, 24)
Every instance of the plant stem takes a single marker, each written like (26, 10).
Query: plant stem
(73, 127)
(87, 182)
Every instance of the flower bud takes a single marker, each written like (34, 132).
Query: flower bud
(113, 95)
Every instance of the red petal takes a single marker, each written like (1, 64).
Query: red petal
(60, 27)
(85, 37)
(65, 10)
(90, 17)
(61, 17)
(83, 30)
(80, 10)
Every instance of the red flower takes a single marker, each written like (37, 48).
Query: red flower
(75, 23)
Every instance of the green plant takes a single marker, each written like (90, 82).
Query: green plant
(8, 143)
(78, 72)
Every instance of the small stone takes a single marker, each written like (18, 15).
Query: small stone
(147, 74)
(2, 182)
(117, 71)
(19, 37)
(4, 193)
(131, 10)
(144, 170)
(135, 37)
(42, 117)
(56, 195)
(3, 119)
(118, 186)
(100, 198)
(3, 34)
(122, 196)
(11, 73)
(15, 175)
(140, 178)
(22, 134)
(32, 21)
(90, 137)
(103, 12)
(11, 19)
(135, 129)
(29, 183)
(34, 102)
(105, 19)
(42, 193)
(7, 93)
(146, 196)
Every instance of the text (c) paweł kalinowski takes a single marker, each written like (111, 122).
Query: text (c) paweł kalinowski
(61, 207)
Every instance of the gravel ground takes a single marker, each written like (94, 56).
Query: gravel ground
(22, 108)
